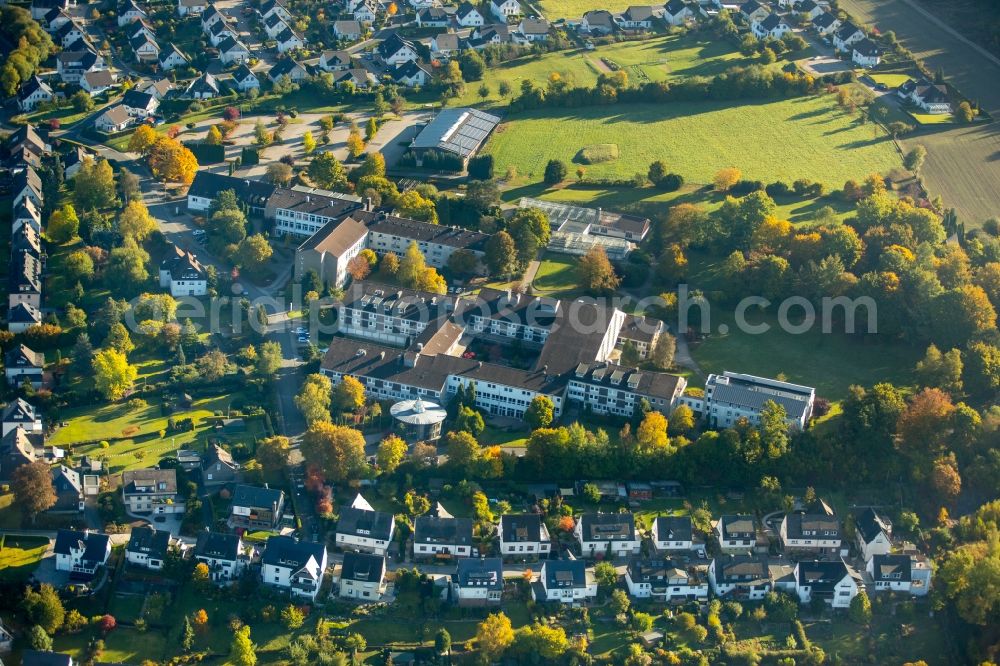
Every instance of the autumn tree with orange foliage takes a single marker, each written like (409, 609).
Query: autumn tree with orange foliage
(172, 162)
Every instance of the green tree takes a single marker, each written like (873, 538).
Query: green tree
(44, 608)
(463, 449)
(371, 129)
(391, 453)
(472, 65)
(254, 252)
(94, 185)
(113, 375)
(119, 339)
(540, 412)
(981, 370)
(860, 610)
(243, 652)
(606, 575)
(79, 266)
(442, 642)
(538, 640)
(326, 171)
(774, 429)
(214, 136)
(597, 275)
(501, 254)
(64, 225)
(469, 420)
(662, 355)
(292, 617)
(135, 222)
(272, 453)
(308, 143)
(914, 159)
(187, 635)
(530, 229)
(314, 398)
(126, 271)
(943, 371)
(555, 172)
(39, 640)
(269, 358)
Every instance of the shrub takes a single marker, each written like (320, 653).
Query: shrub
(555, 172)
(744, 187)
(778, 189)
(671, 182)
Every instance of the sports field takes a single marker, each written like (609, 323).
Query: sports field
(647, 60)
(806, 137)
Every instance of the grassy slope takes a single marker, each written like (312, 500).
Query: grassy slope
(19, 556)
(655, 59)
(804, 137)
(557, 9)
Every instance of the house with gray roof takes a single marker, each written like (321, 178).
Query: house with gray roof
(147, 547)
(478, 581)
(81, 553)
(732, 396)
(294, 565)
(256, 507)
(223, 554)
(565, 581)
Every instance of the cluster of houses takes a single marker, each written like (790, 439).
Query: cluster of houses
(25, 150)
(811, 564)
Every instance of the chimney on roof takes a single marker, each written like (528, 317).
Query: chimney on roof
(308, 199)
(368, 204)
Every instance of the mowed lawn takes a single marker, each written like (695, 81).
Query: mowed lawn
(829, 361)
(557, 275)
(657, 59)
(804, 137)
(19, 556)
(570, 9)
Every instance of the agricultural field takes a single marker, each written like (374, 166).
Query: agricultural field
(962, 163)
(696, 139)
(657, 59)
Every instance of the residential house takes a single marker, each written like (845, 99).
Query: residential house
(256, 508)
(26, 136)
(289, 40)
(531, 30)
(140, 27)
(808, 9)
(287, 67)
(866, 53)
(69, 490)
(223, 554)
(754, 11)
(147, 547)
(566, 581)
(478, 582)
(362, 577)
(68, 33)
(873, 533)
(607, 534)
(295, 565)
(275, 8)
(39, 658)
(444, 44)
(505, 10)
(221, 30)
(817, 530)
(907, 573)
(145, 49)
(931, 97)
(98, 82)
(55, 18)
(635, 18)
(395, 50)
(26, 185)
(207, 185)
(736, 532)
(847, 35)
(172, 57)
(363, 529)
(21, 363)
(24, 278)
(192, 7)
(433, 17)
(523, 535)
(23, 316)
(245, 78)
(205, 86)
(274, 25)
(129, 11)
(159, 89)
(742, 577)
(181, 271)
(832, 581)
(349, 30)
(232, 51)
(411, 74)
(359, 77)
(468, 16)
(366, 12)
(442, 536)
(210, 17)
(597, 22)
(114, 119)
(664, 580)
(771, 26)
(26, 214)
(335, 61)
(33, 92)
(81, 553)
(140, 104)
(151, 490)
(672, 533)
(495, 33)
(20, 413)
(826, 23)
(677, 12)
(16, 449)
(218, 466)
